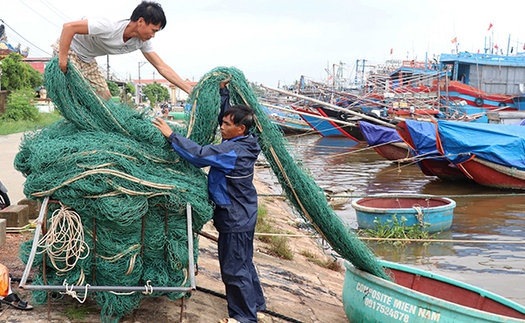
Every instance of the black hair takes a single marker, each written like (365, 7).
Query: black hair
(151, 12)
(241, 115)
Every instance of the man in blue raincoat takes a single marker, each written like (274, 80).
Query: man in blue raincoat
(230, 187)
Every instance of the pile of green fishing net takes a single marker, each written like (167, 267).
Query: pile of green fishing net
(111, 166)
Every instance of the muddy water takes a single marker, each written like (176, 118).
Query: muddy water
(496, 217)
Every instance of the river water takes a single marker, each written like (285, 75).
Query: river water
(497, 217)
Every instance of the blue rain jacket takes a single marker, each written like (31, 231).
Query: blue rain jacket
(230, 179)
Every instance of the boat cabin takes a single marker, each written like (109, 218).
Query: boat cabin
(493, 74)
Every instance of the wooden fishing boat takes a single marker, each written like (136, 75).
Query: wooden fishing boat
(495, 175)
(484, 81)
(290, 125)
(394, 151)
(418, 296)
(349, 131)
(431, 213)
(474, 97)
(324, 127)
(460, 85)
(285, 119)
(421, 138)
(385, 141)
(489, 154)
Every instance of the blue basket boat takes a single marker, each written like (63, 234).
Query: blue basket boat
(432, 213)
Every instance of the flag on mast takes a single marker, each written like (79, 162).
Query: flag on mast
(455, 40)
(490, 26)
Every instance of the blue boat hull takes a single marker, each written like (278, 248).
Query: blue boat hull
(433, 214)
(323, 127)
(419, 296)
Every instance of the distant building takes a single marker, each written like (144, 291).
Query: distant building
(38, 63)
(176, 94)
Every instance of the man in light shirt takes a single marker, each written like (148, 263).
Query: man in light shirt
(83, 40)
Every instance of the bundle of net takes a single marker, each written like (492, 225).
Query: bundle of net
(301, 190)
(119, 193)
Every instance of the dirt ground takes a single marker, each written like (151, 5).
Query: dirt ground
(295, 291)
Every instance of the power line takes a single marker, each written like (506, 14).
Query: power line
(60, 13)
(5, 23)
(38, 13)
(118, 75)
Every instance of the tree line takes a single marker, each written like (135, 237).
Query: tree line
(24, 83)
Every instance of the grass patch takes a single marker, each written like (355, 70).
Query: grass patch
(332, 265)
(278, 245)
(396, 229)
(77, 312)
(10, 127)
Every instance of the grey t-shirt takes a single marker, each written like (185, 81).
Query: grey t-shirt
(106, 37)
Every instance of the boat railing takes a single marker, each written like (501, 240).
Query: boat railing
(419, 65)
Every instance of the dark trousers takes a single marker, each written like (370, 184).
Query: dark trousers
(243, 289)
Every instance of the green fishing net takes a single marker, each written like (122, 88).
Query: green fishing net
(300, 188)
(111, 166)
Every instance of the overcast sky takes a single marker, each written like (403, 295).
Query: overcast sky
(276, 41)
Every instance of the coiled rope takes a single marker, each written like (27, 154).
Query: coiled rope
(64, 241)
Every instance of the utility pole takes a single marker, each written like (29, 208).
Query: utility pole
(139, 97)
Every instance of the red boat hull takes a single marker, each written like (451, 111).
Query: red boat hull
(442, 169)
(479, 98)
(394, 152)
(489, 174)
(452, 293)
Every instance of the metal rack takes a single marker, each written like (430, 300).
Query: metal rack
(41, 227)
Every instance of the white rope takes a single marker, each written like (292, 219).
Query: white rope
(149, 288)
(74, 294)
(419, 215)
(185, 271)
(121, 293)
(64, 241)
